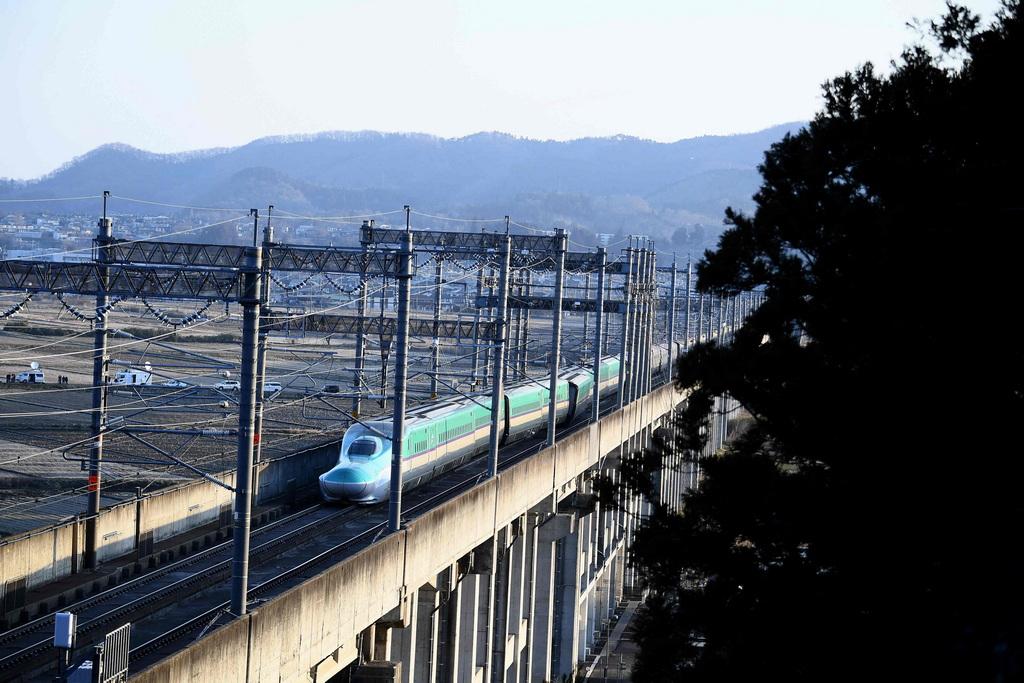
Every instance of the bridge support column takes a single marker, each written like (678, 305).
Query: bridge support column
(466, 639)
(567, 581)
(414, 642)
(542, 615)
(530, 594)
(424, 653)
(519, 600)
(511, 586)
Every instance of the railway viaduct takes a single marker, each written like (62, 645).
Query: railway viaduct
(514, 576)
(516, 579)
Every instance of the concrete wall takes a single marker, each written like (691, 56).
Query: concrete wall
(37, 559)
(30, 560)
(313, 627)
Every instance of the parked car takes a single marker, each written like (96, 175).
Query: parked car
(332, 389)
(228, 385)
(271, 387)
(175, 384)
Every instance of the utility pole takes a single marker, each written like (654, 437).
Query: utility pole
(490, 316)
(595, 404)
(435, 348)
(636, 353)
(586, 314)
(497, 388)
(686, 314)
(648, 316)
(645, 331)
(251, 305)
(405, 256)
(672, 322)
(627, 305)
(261, 352)
(700, 319)
(357, 375)
(722, 303)
(711, 317)
(607, 297)
(556, 333)
(652, 318)
(735, 318)
(474, 374)
(99, 391)
(514, 350)
(524, 343)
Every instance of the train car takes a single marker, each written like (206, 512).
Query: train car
(441, 436)
(438, 437)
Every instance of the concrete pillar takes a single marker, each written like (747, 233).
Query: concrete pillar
(486, 559)
(583, 628)
(447, 615)
(499, 607)
(530, 598)
(382, 651)
(549, 534)
(403, 639)
(517, 598)
(465, 661)
(566, 641)
(366, 638)
(424, 652)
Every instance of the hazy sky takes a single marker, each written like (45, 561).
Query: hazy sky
(179, 75)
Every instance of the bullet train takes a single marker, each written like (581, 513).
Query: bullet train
(441, 436)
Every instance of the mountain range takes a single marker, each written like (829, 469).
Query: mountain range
(619, 185)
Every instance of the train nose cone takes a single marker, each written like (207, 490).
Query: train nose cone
(345, 483)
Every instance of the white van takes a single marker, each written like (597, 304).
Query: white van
(133, 378)
(31, 377)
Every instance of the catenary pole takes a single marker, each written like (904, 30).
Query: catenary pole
(524, 344)
(261, 353)
(672, 322)
(595, 405)
(99, 393)
(586, 314)
(405, 257)
(435, 347)
(624, 340)
(686, 313)
(700, 319)
(365, 236)
(251, 305)
(497, 387)
(474, 373)
(636, 353)
(556, 334)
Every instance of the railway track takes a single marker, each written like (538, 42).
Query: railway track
(204, 574)
(22, 646)
(201, 623)
(473, 472)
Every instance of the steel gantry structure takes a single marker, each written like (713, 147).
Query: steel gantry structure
(243, 274)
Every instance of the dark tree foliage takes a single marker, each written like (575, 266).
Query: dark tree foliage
(867, 527)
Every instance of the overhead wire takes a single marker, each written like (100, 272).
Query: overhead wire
(50, 255)
(51, 199)
(176, 206)
(458, 220)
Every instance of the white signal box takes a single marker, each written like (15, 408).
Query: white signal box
(64, 625)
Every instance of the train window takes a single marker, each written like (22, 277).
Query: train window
(362, 447)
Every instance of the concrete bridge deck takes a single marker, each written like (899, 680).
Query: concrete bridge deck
(512, 580)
